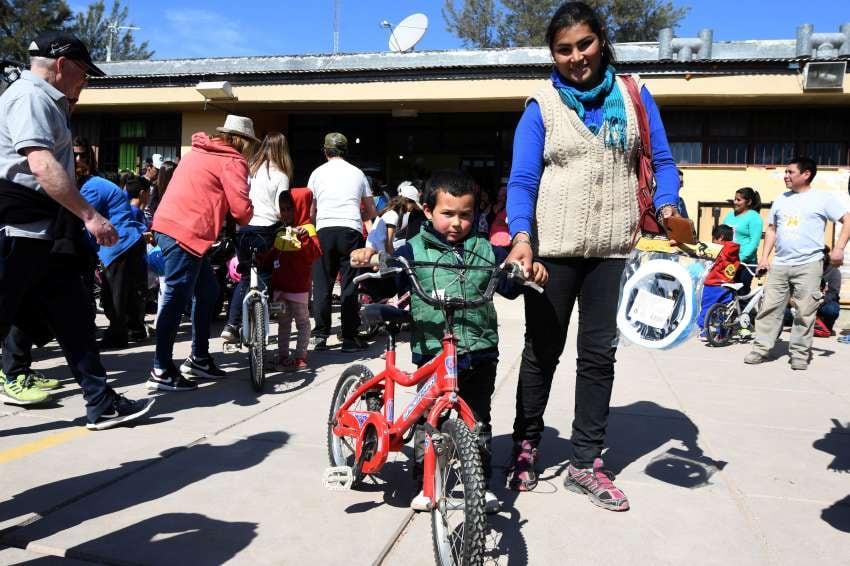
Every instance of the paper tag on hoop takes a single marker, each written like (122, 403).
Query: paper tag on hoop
(651, 310)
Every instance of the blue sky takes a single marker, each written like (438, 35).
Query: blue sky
(217, 28)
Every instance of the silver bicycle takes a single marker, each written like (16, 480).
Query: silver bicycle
(735, 319)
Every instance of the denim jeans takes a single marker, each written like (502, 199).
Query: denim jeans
(187, 277)
(595, 284)
(36, 285)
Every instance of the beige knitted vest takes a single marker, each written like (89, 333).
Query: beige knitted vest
(586, 203)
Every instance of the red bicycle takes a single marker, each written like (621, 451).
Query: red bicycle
(363, 426)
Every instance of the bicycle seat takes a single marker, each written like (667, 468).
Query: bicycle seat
(377, 313)
(733, 286)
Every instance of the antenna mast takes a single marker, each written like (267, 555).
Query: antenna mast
(112, 31)
(336, 26)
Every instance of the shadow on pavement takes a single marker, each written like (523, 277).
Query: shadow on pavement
(173, 470)
(837, 443)
(171, 538)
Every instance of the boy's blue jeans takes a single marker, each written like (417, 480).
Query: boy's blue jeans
(711, 295)
(187, 277)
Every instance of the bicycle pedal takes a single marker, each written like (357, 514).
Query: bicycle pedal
(338, 478)
(230, 347)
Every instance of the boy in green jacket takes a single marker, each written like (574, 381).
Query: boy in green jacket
(448, 237)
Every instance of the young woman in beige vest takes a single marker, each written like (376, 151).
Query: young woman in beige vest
(572, 206)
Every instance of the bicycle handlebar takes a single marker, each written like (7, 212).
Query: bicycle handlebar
(513, 271)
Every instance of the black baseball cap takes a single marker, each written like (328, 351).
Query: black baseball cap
(55, 44)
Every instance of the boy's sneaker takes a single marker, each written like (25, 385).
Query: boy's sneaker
(702, 337)
(596, 483)
(205, 369)
(523, 475)
(170, 380)
(491, 503)
(291, 364)
(123, 411)
(38, 379)
(320, 343)
(230, 334)
(23, 391)
(354, 345)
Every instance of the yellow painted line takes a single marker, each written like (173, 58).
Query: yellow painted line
(41, 444)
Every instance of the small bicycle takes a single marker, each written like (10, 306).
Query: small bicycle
(254, 333)
(723, 321)
(363, 426)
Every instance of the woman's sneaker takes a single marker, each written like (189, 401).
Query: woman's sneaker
(23, 391)
(596, 483)
(205, 369)
(524, 459)
(170, 380)
(291, 364)
(123, 411)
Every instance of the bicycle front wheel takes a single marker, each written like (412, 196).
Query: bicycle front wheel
(257, 346)
(720, 323)
(458, 520)
(341, 449)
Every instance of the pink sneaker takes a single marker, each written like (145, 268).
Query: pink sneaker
(596, 483)
(523, 475)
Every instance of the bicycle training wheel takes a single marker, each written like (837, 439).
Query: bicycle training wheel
(458, 520)
(257, 346)
(341, 449)
(720, 323)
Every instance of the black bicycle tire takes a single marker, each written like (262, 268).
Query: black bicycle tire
(257, 346)
(350, 379)
(710, 335)
(459, 440)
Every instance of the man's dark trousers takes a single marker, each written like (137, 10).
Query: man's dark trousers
(337, 243)
(126, 285)
(34, 281)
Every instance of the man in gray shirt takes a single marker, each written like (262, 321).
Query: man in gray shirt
(796, 226)
(42, 215)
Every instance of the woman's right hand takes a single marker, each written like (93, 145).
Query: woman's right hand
(521, 253)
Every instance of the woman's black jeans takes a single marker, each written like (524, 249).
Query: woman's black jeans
(249, 238)
(596, 285)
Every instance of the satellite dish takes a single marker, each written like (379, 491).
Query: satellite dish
(408, 32)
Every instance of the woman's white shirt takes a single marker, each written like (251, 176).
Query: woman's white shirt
(266, 185)
(377, 239)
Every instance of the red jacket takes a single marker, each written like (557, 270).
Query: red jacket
(210, 181)
(725, 266)
(292, 273)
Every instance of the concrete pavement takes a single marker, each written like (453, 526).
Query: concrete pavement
(723, 463)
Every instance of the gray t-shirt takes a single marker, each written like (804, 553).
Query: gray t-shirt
(800, 220)
(32, 114)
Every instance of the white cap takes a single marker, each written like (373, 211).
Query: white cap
(156, 159)
(407, 190)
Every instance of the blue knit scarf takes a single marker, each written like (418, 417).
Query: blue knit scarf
(613, 107)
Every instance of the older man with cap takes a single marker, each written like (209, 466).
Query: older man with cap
(41, 221)
(340, 189)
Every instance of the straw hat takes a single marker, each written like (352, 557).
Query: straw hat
(239, 125)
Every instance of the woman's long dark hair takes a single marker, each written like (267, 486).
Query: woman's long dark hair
(751, 195)
(577, 13)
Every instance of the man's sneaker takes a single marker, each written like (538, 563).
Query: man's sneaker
(123, 411)
(420, 502)
(523, 475)
(138, 335)
(320, 343)
(23, 391)
(799, 364)
(170, 380)
(205, 369)
(38, 379)
(230, 334)
(754, 358)
(353, 345)
(111, 343)
(596, 483)
(491, 503)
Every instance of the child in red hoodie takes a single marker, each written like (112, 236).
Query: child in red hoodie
(296, 247)
(723, 271)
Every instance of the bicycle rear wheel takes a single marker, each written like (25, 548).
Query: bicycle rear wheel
(720, 323)
(257, 345)
(458, 520)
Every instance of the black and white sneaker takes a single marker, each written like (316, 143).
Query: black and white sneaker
(123, 411)
(170, 380)
(205, 369)
(230, 334)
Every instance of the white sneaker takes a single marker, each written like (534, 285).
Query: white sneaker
(420, 502)
(491, 503)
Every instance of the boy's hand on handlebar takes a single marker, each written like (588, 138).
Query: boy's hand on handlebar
(539, 274)
(762, 268)
(363, 257)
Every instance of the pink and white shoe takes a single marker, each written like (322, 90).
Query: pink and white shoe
(596, 483)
